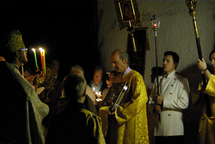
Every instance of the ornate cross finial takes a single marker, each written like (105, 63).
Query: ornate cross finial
(191, 4)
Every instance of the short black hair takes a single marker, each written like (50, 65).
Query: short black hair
(174, 56)
(213, 51)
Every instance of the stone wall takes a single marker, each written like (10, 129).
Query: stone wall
(176, 33)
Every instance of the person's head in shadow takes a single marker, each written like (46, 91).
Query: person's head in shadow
(154, 73)
(74, 88)
(212, 59)
(109, 78)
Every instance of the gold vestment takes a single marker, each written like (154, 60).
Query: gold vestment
(207, 124)
(130, 124)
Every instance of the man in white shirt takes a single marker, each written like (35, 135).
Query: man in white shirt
(173, 97)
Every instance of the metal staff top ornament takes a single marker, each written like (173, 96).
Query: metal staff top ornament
(191, 4)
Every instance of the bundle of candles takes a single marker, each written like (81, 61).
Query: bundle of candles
(98, 95)
(43, 61)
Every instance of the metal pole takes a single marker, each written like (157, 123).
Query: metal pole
(156, 55)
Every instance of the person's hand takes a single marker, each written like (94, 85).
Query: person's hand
(99, 103)
(30, 79)
(202, 64)
(111, 113)
(46, 100)
(158, 108)
(159, 99)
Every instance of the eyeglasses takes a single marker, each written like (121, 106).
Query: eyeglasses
(24, 49)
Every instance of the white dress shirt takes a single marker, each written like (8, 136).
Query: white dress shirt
(175, 91)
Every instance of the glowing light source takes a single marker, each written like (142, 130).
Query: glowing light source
(35, 56)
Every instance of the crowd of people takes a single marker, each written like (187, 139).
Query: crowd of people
(40, 108)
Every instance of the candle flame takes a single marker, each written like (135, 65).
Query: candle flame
(42, 50)
(129, 23)
(33, 49)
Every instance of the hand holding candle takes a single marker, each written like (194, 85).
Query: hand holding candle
(98, 97)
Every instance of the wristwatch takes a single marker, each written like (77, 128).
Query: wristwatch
(203, 71)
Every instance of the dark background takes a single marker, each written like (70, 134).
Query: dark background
(65, 29)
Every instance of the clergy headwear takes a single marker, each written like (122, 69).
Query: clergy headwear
(14, 41)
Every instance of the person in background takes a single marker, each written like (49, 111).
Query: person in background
(77, 69)
(90, 96)
(28, 76)
(21, 110)
(89, 104)
(75, 124)
(109, 81)
(49, 95)
(97, 84)
(154, 73)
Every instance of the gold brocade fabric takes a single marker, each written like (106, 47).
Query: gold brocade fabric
(103, 113)
(207, 130)
(130, 125)
(207, 124)
(97, 133)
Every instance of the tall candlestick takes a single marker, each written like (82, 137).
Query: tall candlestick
(35, 56)
(41, 56)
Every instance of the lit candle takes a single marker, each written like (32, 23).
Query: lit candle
(99, 96)
(129, 23)
(35, 56)
(41, 56)
(44, 62)
(155, 25)
(93, 89)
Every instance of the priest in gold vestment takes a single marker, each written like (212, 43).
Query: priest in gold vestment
(21, 110)
(207, 121)
(129, 124)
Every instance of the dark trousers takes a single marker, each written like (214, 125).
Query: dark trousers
(169, 139)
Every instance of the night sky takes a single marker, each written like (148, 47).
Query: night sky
(66, 30)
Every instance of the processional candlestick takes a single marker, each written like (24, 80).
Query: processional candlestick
(191, 4)
(155, 26)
